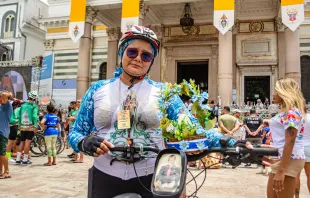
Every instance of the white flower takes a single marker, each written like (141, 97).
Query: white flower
(170, 129)
(185, 118)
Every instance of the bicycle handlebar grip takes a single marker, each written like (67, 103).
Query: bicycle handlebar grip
(264, 151)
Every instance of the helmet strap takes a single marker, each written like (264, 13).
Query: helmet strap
(134, 78)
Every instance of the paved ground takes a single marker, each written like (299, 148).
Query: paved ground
(70, 180)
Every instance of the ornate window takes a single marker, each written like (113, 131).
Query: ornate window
(8, 24)
(4, 57)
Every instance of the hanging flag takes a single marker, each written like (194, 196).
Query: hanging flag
(224, 15)
(292, 13)
(77, 19)
(130, 14)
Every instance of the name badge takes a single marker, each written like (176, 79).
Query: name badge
(123, 120)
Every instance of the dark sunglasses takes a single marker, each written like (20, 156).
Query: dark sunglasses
(145, 56)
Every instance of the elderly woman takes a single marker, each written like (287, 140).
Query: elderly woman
(287, 135)
(132, 93)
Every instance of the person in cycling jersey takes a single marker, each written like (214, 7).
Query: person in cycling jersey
(28, 124)
(133, 93)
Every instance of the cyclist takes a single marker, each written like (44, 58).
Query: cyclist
(28, 123)
(130, 94)
(13, 129)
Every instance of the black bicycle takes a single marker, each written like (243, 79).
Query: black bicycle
(164, 186)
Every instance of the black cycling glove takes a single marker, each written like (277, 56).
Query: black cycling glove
(90, 144)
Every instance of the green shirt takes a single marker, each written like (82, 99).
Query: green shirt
(14, 116)
(73, 113)
(228, 121)
(28, 115)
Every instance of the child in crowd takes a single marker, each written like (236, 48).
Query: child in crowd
(266, 139)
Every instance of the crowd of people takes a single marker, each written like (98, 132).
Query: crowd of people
(19, 123)
(133, 96)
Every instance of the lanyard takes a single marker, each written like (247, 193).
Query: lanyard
(132, 101)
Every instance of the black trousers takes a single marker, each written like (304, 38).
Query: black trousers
(101, 185)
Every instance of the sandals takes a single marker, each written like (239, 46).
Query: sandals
(3, 176)
(47, 164)
(78, 161)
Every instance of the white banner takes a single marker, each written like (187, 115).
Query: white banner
(76, 30)
(128, 23)
(224, 20)
(293, 15)
(63, 97)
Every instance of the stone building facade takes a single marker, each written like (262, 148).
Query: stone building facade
(242, 65)
(20, 29)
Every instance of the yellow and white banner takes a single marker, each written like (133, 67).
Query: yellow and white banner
(77, 19)
(293, 13)
(224, 15)
(130, 14)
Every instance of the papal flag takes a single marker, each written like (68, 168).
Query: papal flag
(77, 19)
(292, 13)
(130, 14)
(224, 15)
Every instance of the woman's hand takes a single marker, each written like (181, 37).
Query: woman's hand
(278, 181)
(95, 146)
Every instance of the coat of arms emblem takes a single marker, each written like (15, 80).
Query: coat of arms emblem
(292, 14)
(223, 21)
(76, 31)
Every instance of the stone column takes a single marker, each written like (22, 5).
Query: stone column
(213, 71)
(225, 68)
(156, 68)
(292, 67)
(114, 36)
(83, 74)
(281, 47)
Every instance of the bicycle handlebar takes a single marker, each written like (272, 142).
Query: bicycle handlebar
(234, 151)
(135, 149)
(194, 157)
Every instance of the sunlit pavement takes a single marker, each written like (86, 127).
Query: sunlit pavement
(67, 179)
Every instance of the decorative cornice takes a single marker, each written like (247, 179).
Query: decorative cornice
(49, 44)
(91, 14)
(55, 21)
(280, 26)
(143, 9)
(114, 33)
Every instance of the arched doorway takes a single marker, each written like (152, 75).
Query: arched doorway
(305, 73)
(103, 71)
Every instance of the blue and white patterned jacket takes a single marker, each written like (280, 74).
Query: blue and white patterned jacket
(99, 110)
